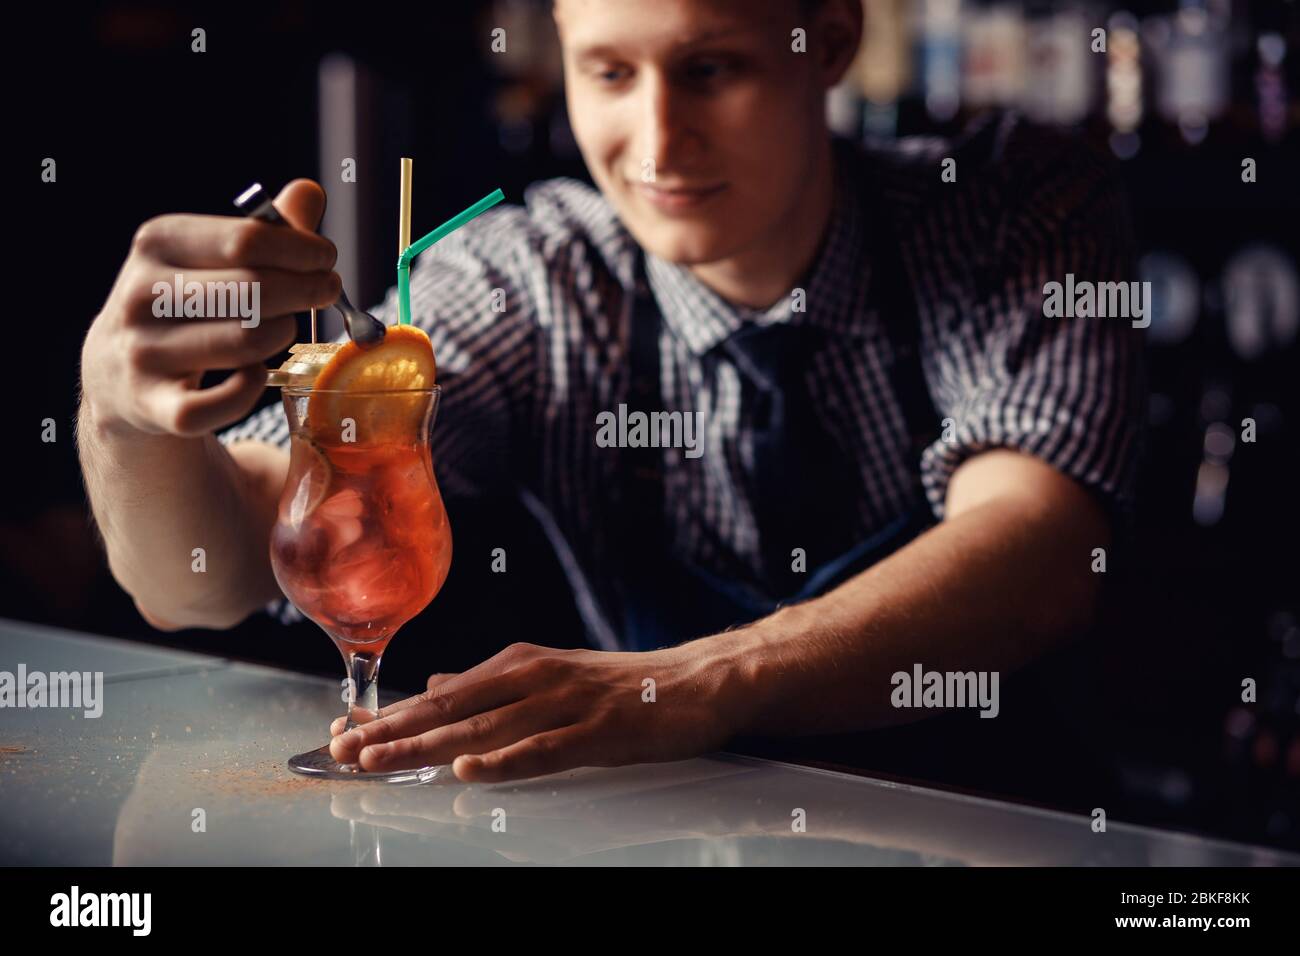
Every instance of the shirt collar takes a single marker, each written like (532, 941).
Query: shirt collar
(835, 286)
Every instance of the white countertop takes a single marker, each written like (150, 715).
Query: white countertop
(182, 733)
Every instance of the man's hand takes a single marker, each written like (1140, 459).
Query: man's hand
(533, 710)
(142, 373)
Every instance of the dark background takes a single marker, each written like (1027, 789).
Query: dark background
(1153, 726)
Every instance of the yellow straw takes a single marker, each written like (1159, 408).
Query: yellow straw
(404, 214)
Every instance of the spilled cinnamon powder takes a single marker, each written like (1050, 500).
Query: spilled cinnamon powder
(266, 778)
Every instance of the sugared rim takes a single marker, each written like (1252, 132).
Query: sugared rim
(307, 390)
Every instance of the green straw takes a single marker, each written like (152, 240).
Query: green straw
(424, 242)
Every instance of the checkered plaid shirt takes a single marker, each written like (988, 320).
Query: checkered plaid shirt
(522, 386)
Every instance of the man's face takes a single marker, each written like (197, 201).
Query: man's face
(695, 117)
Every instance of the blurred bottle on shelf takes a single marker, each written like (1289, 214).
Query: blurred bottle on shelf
(1192, 60)
(994, 41)
(1059, 74)
(883, 69)
(1262, 300)
(938, 32)
(1270, 86)
(867, 102)
(1124, 85)
(1175, 297)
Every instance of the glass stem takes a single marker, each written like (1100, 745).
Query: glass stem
(365, 845)
(363, 672)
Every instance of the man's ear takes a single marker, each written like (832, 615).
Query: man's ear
(837, 25)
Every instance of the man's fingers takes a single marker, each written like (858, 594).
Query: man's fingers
(229, 293)
(190, 412)
(437, 680)
(496, 664)
(302, 202)
(439, 709)
(478, 734)
(337, 725)
(170, 361)
(182, 347)
(183, 241)
(444, 682)
(552, 751)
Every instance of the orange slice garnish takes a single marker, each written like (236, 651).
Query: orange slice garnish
(404, 360)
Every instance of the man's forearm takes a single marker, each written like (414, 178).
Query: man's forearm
(157, 498)
(985, 591)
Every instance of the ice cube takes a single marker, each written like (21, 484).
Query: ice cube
(369, 583)
(344, 504)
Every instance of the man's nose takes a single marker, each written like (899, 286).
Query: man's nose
(667, 137)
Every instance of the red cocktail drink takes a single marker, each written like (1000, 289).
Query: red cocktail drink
(361, 542)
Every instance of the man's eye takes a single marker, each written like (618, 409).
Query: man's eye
(704, 71)
(612, 74)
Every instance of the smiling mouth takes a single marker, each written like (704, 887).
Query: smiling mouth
(677, 198)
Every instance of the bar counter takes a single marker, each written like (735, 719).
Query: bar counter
(186, 766)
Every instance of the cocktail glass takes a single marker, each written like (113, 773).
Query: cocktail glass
(361, 542)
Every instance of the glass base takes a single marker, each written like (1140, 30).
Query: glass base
(319, 763)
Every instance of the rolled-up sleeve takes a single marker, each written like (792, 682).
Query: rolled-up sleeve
(1070, 391)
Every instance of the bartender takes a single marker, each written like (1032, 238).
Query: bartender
(902, 465)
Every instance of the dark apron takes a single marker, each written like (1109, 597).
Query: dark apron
(666, 600)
